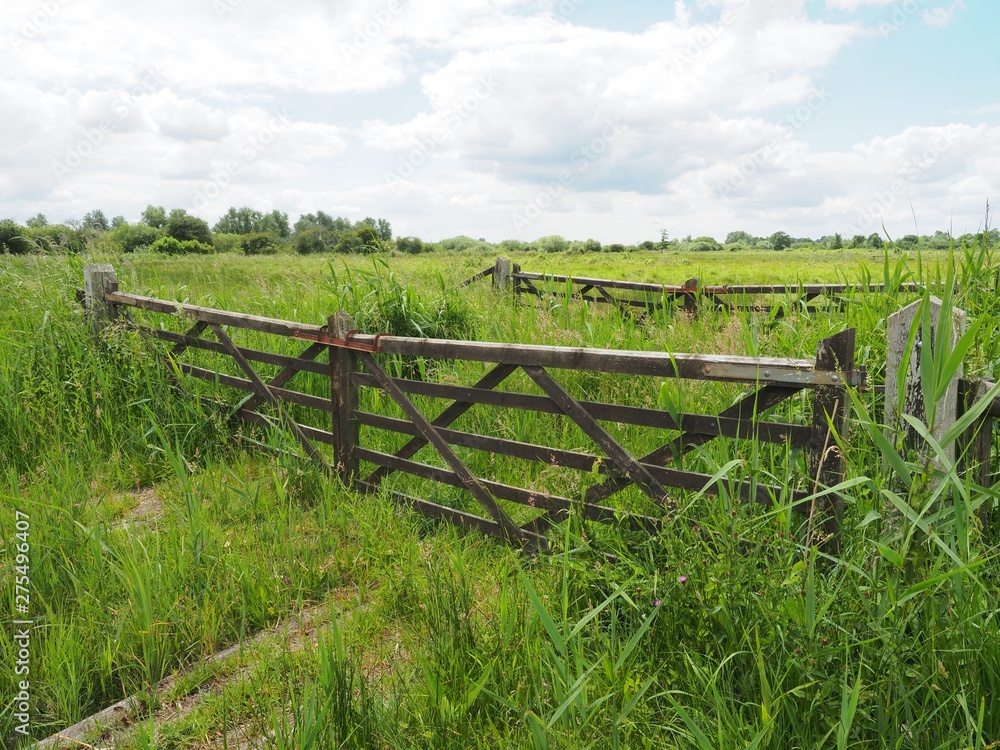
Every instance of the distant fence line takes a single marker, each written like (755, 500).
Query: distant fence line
(508, 276)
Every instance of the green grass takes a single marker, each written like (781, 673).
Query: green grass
(723, 632)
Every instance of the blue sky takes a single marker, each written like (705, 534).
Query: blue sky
(508, 118)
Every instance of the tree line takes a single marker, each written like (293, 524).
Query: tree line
(251, 232)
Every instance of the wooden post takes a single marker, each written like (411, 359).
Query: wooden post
(830, 409)
(98, 281)
(344, 395)
(691, 297)
(898, 326)
(502, 275)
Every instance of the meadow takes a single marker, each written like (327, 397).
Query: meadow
(158, 539)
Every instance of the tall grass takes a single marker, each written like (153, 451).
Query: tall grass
(727, 630)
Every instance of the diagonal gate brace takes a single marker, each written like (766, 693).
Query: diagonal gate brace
(631, 469)
(265, 394)
(511, 532)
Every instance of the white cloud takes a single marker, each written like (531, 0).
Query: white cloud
(941, 17)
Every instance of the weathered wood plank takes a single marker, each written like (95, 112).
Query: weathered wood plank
(470, 482)
(98, 282)
(491, 379)
(303, 363)
(293, 397)
(693, 424)
(210, 315)
(343, 400)
(624, 460)
(560, 506)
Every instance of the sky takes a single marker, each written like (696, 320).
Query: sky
(509, 119)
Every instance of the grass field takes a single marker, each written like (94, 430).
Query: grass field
(157, 541)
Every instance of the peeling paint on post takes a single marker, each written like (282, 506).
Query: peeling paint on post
(898, 326)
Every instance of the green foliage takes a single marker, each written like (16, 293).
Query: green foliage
(311, 240)
(551, 244)
(837, 242)
(875, 240)
(704, 244)
(780, 241)
(259, 243)
(410, 245)
(37, 221)
(59, 238)
(13, 238)
(363, 238)
(744, 237)
(96, 220)
(130, 237)
(173, 246)
(239, 221)
(615, 247)
(154, 216)
(184, 227)
(226, 243)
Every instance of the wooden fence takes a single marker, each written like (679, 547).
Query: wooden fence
(356, 361)
(631, 295)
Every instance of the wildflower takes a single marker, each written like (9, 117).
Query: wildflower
(656, 603)
(682, 579)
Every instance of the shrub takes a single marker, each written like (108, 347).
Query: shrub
(14, 238)
(182, 226)
(704, 244)
(311, 240)
(553, 243)
(259, 243)
(614, 248)
(173, 246)
(225, 242)
(410, 245)
(129, 237)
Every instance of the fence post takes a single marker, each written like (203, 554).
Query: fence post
(690, 288)
(344, 396)
(830, 409)
(99, 280)
(502, 274)
(898, 328)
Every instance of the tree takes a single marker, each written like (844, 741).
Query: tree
(858, 240)
(552, 243)
(182, 226)
(591, 246)
(154, 216)
(837, 242)
(875, 240)
(411, 245)
(13, 238)
(276, 222)
(780, 241)
(37, 221)
(243, 220)
(740, 236)
(117, 221)
(131, 237)
(96, 220)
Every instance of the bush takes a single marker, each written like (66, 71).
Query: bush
(410, 245)
(14, 238)
(130, 237)
(553, 243)
(182, 226)
(259, 243)
(311, 240)
(225, 242)
(173, 246)
(614, 248)
(704, 244)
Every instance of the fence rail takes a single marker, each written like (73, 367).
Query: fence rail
(649, 296)
(356, 362)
